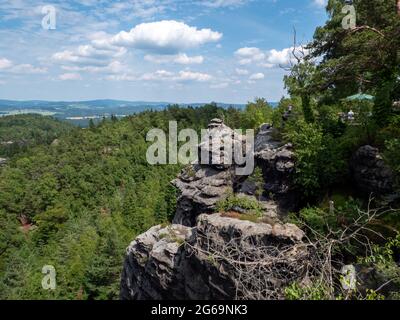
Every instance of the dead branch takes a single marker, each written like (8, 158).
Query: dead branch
(361, 28)
(263, 272)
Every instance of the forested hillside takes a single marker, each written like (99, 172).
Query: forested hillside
(19, 132)
(76, 204)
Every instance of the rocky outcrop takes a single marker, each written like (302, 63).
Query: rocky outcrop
(153, 266)
(211, 178)
(277, 163)
(206, 254)
(370, 173)
(178, 262)
(3, 162)
(217, 146)
(201, 187)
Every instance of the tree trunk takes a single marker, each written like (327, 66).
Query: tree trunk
(398, 7)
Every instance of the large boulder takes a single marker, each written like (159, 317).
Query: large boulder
(370, 173)
(178, 262)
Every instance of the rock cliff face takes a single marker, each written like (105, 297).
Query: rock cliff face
(277, 164)
(3, 162)
(206, 254)
(370, 173)
(178, 262)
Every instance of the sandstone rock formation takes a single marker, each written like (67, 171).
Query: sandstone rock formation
(276, 161)
(205, 262)
(209, 255)
(211, 178)
(3, 162)
(201, 187)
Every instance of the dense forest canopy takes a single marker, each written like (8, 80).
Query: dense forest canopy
(76, 204)
(19, 132)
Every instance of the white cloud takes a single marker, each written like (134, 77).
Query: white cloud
(257, 76)
(181, 76)
(223, 3)
(5, 63)
(181, 58)
(122, 77)
(250, 52)
(9, 67)
(266, 65)
(70, 76)
(89, 55)
(285, 57)
(27, 69)
(193, 76)
(242, 72)
(164, 75)
(165, 40)
(222, 85)
(158, 75)
(247, 55)
(112, 68)
(167, 36)
(282, 57)
(268, 59)
(320, 3)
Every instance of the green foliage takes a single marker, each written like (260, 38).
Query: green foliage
(383, 258)
(315, 291)
(10, 235)
(308, 144)
(392, 154)
(258, 180)
(251, 205)
(299, 83)
(18, 133)
(257, 113)
(373, 295)
(328, 118)
(369, 53)
(85, 198)
(323, 220)
(383, 103)
(322, 153)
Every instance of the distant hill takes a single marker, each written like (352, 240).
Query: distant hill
(79, 112)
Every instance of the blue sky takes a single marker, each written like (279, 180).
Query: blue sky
(155, 50)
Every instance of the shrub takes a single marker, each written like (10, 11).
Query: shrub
(307, 139)
(382, 259)
(392, 154)
(251, 205)
(314, 291)
(330, 121)
(257, 113)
